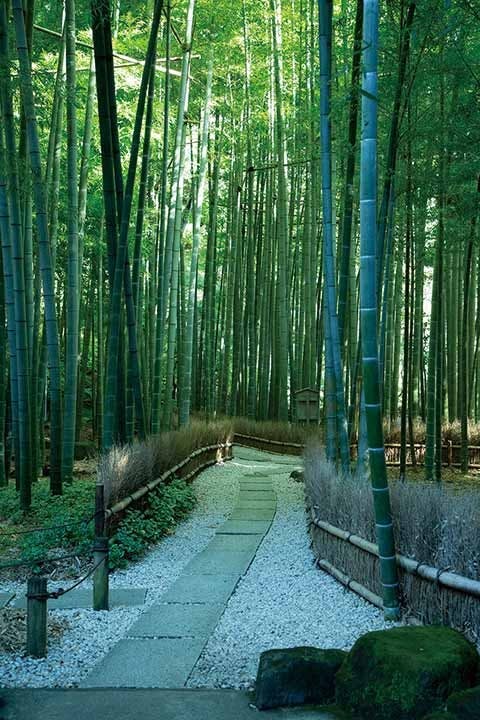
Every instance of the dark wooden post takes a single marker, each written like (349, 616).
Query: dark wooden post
(450, 453)
(37, 616)
(100, 553)
(99, 510)
(100, 576)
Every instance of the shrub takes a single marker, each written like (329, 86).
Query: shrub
(138, 530)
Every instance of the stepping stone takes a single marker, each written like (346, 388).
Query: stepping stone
(83, 598)
(5, 598)
(164, 663)
(256, 495)
(218, 562)
(235, 543)
(177, 621)
(256, 505)
(201, 589)
(252, 514)
(255, 486)
(244, 527)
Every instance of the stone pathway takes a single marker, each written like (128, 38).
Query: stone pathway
(163, 646)
(124, 704)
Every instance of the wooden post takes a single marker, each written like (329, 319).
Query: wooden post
(37, 616)
(100, 576)
(450, 453)
(99, 510)
(100, 552)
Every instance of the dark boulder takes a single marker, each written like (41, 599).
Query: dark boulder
(296, 676)
(405, 673)
(465, 705)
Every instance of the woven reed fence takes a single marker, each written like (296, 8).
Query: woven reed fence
(433, 595)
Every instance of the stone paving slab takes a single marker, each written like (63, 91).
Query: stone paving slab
(83, 598)
(129, 704)
(145, 663)
(201, 589)
(5, 598)
(256, 495)
(219, 562)
(257, 485)
(252, 513)
(244, 527)
(177, 621)
(235, 543)
(256, 504)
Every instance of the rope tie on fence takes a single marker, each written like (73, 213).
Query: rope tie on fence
(55, 594)
(440, 572)
(419, 565)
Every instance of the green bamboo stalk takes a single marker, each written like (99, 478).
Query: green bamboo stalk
(186, 384)
(24, 470)
(325, 45)
(73, 271)
(282, 219)
(368, 313)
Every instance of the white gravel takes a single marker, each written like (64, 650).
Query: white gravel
(282, 601)
(91, 634)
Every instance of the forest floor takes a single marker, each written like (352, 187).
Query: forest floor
(453, 478)
(281, 599)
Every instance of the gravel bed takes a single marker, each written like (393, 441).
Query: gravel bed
(91, 634)
(282, 601)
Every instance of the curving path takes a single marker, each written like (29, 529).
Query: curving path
(163, 646)
(237, 578)
(253, 587)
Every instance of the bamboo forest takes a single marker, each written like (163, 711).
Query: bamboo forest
(236, 233)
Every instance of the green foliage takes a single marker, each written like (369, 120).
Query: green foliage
(63, 513)
(137, 531)
(165, 507)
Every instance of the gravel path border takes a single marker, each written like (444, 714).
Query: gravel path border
(283, 600)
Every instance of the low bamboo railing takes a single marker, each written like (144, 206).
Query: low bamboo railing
(187, 470)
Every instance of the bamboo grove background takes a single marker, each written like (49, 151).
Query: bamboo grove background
(180, 220)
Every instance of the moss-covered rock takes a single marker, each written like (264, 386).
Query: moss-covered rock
(296, 676)
(405, 673)
(465, 705)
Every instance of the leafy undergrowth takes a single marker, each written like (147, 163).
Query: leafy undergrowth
(166, 506)
(65, 514)
(135, 533)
